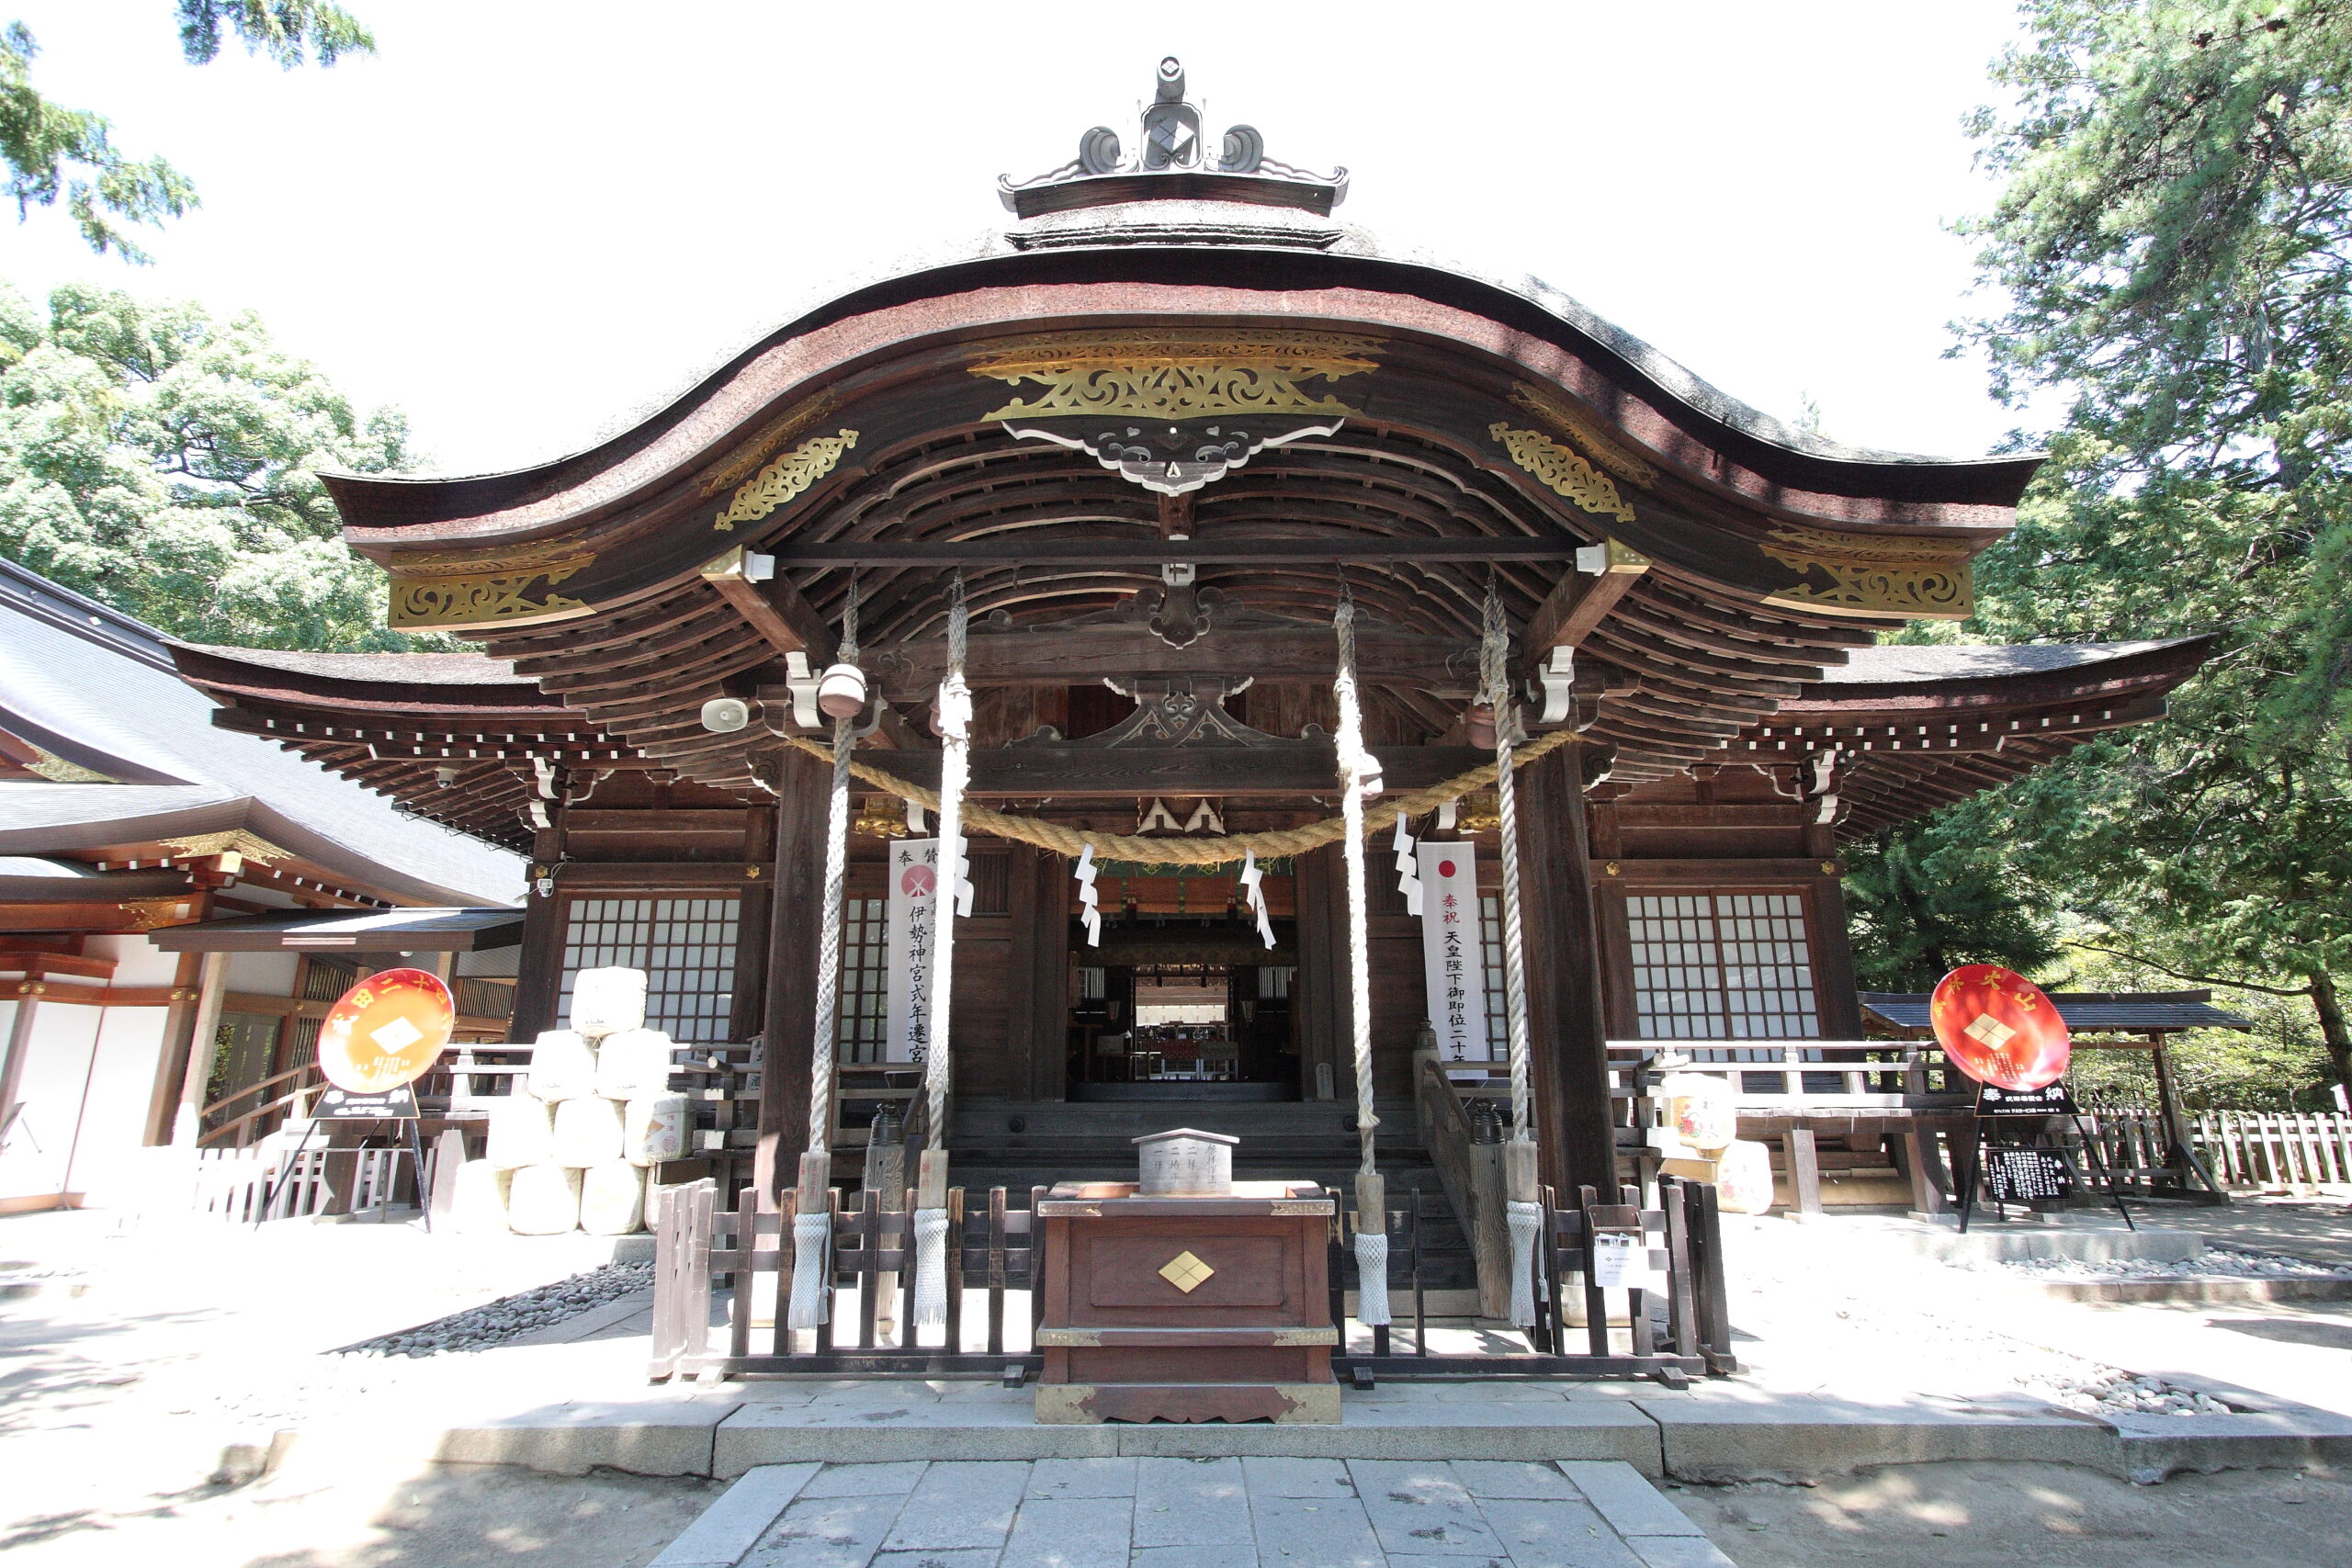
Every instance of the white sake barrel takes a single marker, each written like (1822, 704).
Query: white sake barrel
(612, 1199)
(521, 1129)
(543, 1200)
(478, 1206)
(587, 1132)
(563, 1066)
(633, 1064)
(606, 1001)
(653, 1129)
(1744, 1177)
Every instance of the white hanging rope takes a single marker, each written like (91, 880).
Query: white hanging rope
(812, 1228)
(954, 770)
(1359, 776)
(1494, 657)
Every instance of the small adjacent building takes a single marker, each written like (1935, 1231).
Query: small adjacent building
(133, 831)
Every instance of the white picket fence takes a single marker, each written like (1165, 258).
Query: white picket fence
(233, 1185)
(2262, 1148)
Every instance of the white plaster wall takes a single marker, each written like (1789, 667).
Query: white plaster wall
(138, 961)
(57, 1072)
(263, 974)
(114, 1117)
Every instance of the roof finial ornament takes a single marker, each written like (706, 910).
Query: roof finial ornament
(1172, 160)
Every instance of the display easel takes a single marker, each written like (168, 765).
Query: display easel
(2023, 1170)
(342, 1105)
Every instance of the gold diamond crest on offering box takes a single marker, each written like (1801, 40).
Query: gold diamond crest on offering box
(1989, 1032)
(1185, 1273)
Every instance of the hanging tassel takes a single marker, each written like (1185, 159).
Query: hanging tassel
(931, 1269)
(809, 1231)
(1526, 1221)
(1409, 870)
(1371, 1278)
(1090, 912)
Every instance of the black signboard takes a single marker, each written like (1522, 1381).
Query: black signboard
(343, 1105)
(2028, 1175)
(2050, 1100)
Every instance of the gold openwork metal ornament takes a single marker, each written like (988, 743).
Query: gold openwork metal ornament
(421, 604)
(1602, 448)
(1562, 472)
(1185, 1273)
(1871, 576)
(785, 478)
(1177, 375)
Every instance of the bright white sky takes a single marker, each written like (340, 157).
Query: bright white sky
(523, 219)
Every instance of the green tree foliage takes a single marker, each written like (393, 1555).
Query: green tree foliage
(52, 152)
(167, 463)
(1928, 898)
(2174, 242)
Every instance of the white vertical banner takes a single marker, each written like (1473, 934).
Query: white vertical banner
(914, 905)
(1453, 953)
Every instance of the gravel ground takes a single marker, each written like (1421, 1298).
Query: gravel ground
(2214, 1263)
(509, 1317)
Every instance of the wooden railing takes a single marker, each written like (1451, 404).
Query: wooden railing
(1469, 1161)
(2263, 1148)
(221, 1131)
(1784, 1075)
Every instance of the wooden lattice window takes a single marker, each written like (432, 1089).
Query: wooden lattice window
(1721, 966)
(866, 979)
(686, 947)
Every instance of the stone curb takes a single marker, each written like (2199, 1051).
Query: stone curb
(729, 1528)
(2216, 1288)
(1708, 1439)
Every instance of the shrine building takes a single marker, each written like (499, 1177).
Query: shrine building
(1089, 514)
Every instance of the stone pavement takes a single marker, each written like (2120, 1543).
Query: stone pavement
(1208, 1513)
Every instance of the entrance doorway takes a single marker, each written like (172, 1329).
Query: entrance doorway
(1177, 1013)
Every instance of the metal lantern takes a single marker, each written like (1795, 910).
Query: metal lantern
(841, 692)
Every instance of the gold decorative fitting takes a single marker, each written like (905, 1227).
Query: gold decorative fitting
(763, 446)
(233, 842)
(877, 822)
(1185, 1273)
(1562, 472)
(1177, 375)
(1612, 869)
(1604, 451)
(750, 873)
(432, 603)
(1480, 813)
(785, 478)
(1873, 574)
(1829, 868)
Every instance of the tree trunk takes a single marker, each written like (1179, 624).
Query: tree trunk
(2332, 1029)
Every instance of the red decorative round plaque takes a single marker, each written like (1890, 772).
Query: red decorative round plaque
(1998, 1027)
(386, 1030)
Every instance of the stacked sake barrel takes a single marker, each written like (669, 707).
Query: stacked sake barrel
(576, 1148)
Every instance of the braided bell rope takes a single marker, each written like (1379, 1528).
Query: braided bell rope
(1493, 652)
(1356, 766)
(954, 771)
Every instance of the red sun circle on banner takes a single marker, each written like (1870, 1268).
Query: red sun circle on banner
(916, 881)
(1445, 868)
(1999, 1028)
(386, 1030)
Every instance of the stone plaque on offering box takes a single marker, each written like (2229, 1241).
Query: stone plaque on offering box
(1190, 1306)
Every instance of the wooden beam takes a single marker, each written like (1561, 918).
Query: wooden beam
(1580, 600)
(774, 608)
(1068, 771)
(1080, 656)
(943, 553)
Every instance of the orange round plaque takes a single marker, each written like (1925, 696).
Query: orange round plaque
(386, 1030)
(1998, 1028)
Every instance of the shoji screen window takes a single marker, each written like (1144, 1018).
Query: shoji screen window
(866, 979)
(1721, 966)
(686, 947)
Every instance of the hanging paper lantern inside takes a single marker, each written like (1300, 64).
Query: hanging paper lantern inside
(1998, 1028)
(386, 1030)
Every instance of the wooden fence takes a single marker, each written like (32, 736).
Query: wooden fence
(745, 1256)
(2260, 1148)
(236, 1185)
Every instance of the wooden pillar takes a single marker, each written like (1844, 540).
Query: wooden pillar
(212, 985)
(748, 1005)
(1037, 1013)
(798, 890)
(1568, 1052)
(538, 969)
(1835, 1000)
(1319, 1007)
